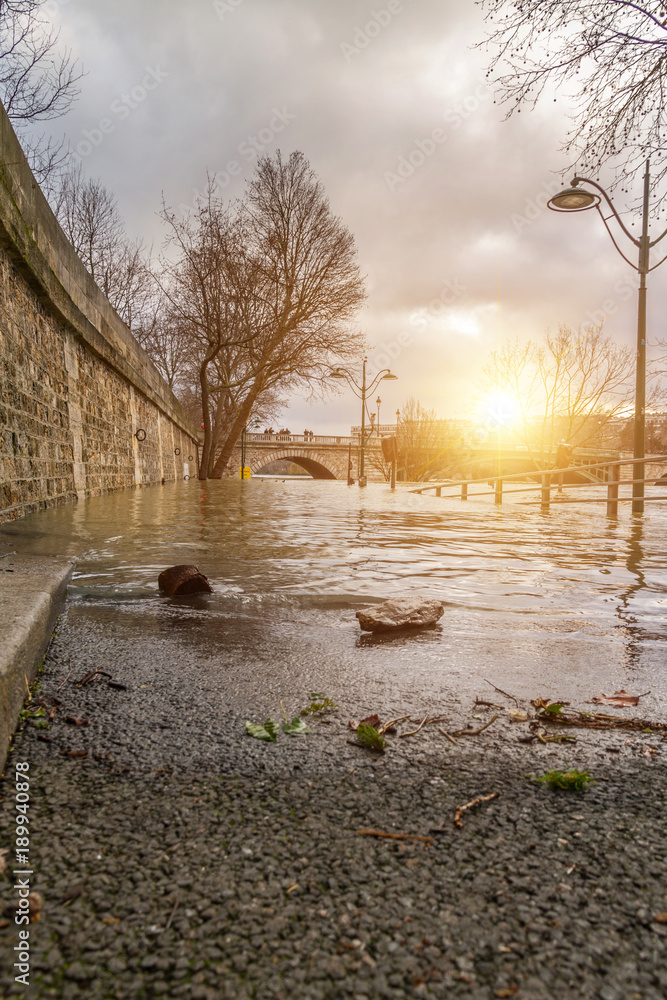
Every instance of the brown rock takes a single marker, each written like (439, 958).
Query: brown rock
(413, 612)
(179, 580)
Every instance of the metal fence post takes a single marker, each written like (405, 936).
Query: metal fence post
(612, 491)
(546, 490)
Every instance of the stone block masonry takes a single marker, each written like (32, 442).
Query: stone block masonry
(75, 386)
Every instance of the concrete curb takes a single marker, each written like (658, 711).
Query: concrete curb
(32, 594)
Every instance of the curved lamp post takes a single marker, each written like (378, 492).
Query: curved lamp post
(576, 199)
(361, 392)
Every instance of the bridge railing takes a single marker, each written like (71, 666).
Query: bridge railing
(548, 478)
(313, 439)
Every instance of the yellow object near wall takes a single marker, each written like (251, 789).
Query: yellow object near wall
(244, 473)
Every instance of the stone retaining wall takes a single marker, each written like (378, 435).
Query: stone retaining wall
(75, 386)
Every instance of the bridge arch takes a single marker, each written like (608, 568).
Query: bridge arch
(317, 465)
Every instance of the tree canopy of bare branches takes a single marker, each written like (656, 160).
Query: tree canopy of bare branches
(89, 216)
(567, 387)
(38, 79)
(264, 291)
(608, 56)
(424, 441)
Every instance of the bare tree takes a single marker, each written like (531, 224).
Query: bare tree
(88, 213)
(568, 387)
(608, 56)
(38, 81)
(265, 290)
(309, 283)
(424, 441)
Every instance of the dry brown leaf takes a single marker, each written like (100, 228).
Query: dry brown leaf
(660, 918)
(372, 720)
(619, 699)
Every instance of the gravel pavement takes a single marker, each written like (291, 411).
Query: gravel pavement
(181, 858)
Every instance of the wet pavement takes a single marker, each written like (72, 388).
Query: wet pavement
(177, 856)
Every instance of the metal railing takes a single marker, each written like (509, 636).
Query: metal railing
(553, 478)
(300, 439)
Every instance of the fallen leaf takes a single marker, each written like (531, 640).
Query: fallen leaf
(292, 887)
(297, 727)
(268, 731)
(372, 720)
(619, 699)
(73, 721)
(110, 920)
(74, 753)
(660, 918)
(3, 924)
(509, 991)
(516, 715)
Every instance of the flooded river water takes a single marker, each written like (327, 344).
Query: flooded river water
(560, 604)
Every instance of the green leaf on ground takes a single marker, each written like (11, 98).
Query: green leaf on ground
(268, 731)
(571, 781)
(369, 737)
(554, 709)
(297, 727)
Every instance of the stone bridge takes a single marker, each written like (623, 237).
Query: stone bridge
(323, 457)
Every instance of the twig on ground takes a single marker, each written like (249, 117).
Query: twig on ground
(92, 675)
(597, 721)
(475, 802)
(171, 915)
(488, 704)
(476, 732)
(387, 726)
(500, 691)
(394, 836)
(424, 722)
(69, 673)
(450, 738)
(413, 732)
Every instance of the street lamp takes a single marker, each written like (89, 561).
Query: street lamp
(378, 401)
(360, 392)
(576, 199)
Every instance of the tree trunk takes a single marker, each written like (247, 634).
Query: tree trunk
(228, 447)
(206, 417)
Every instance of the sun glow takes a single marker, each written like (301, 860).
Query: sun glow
(498, 410)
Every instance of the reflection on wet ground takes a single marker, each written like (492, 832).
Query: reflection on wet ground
(565, 602)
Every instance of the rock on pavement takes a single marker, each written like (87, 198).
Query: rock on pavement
(412, 612)
(178, 580)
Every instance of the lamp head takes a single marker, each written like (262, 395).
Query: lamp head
(336, 373)
(389, 375)
(573, 199)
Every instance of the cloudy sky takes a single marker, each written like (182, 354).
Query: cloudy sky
(388, 100)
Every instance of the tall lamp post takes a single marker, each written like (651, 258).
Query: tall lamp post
(577, 199)
(361, 391)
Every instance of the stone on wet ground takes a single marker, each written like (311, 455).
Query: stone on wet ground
(411, 612)
(178, 581)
